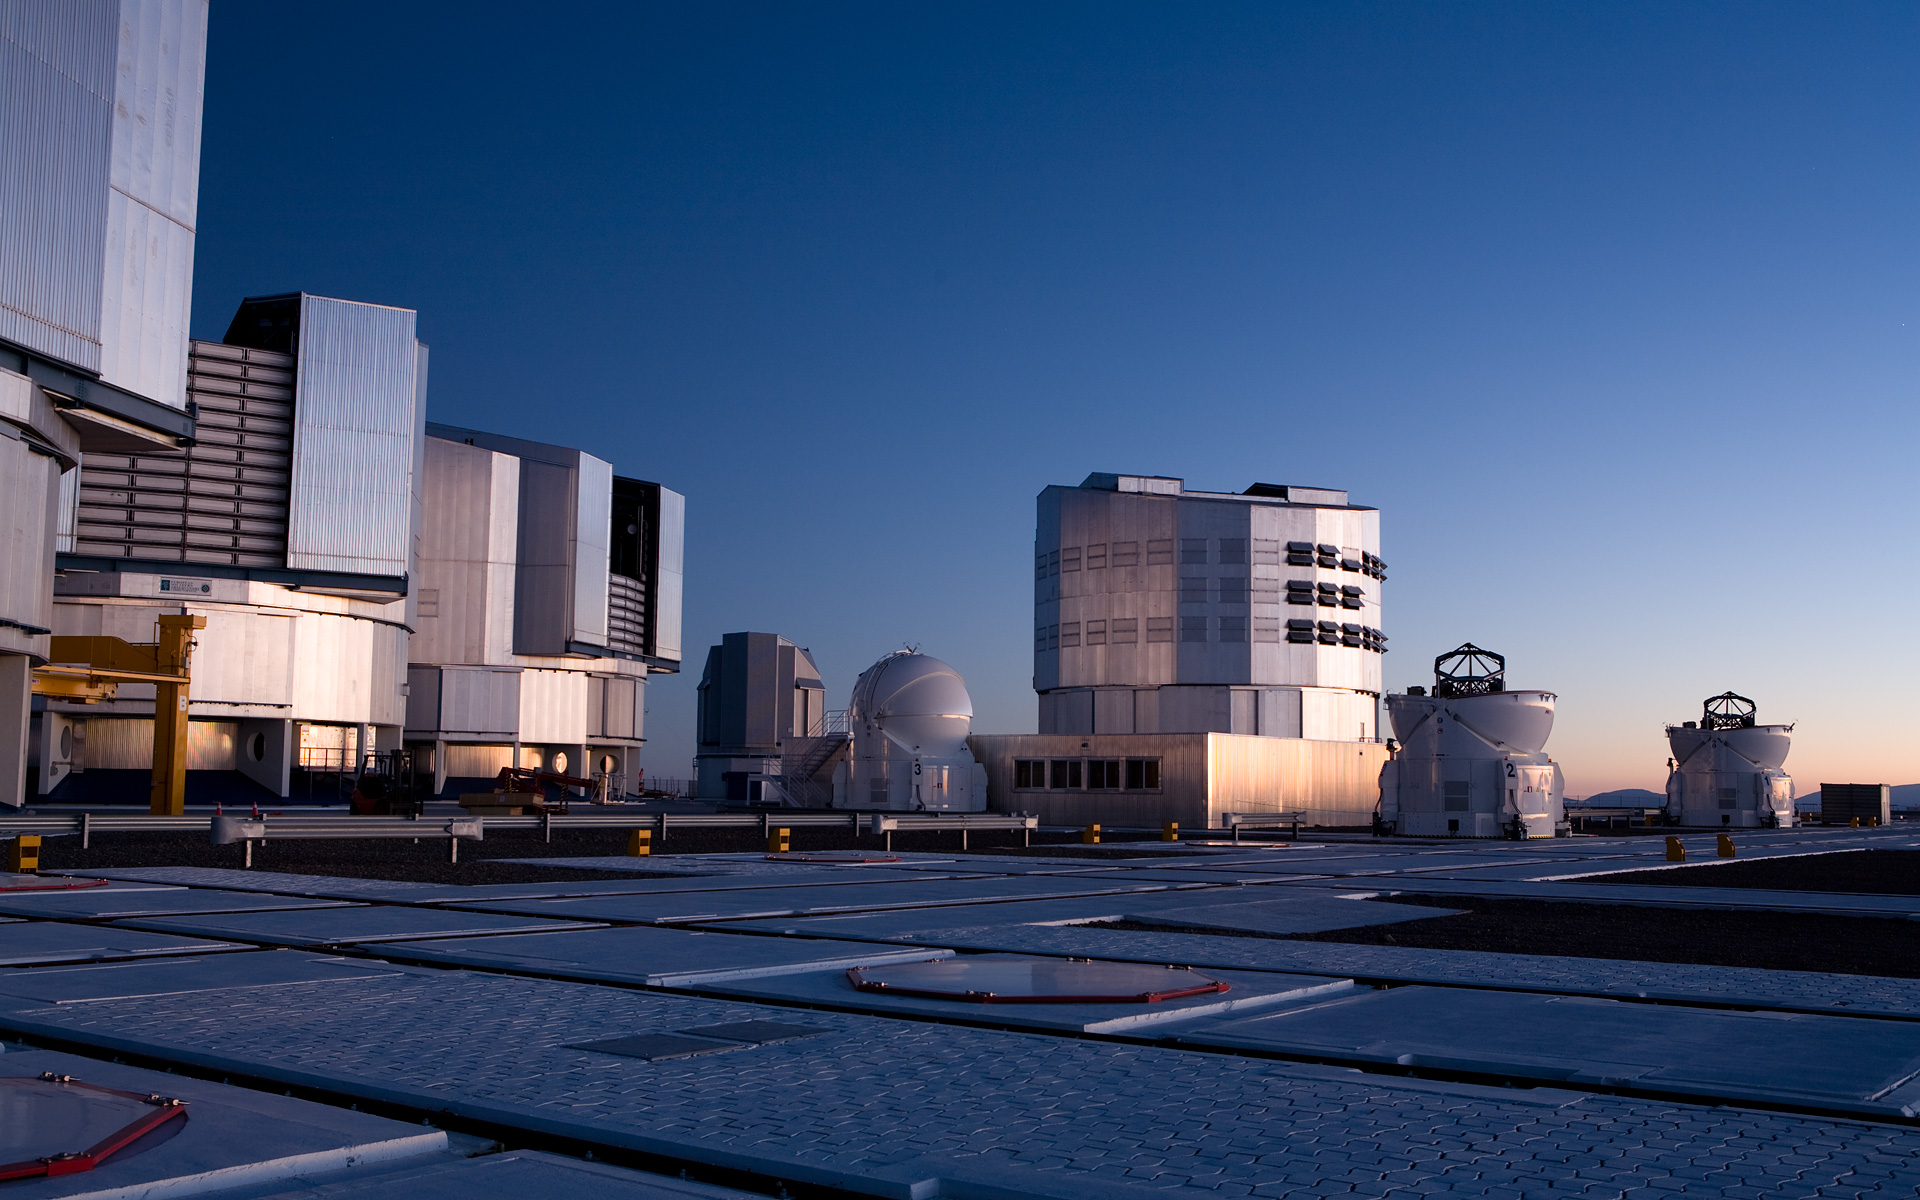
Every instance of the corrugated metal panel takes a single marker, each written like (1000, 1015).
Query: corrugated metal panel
(594, 512)
(544, 573)
(553, 707)
(56, 103)
(147, 271)
(666, 603)
(353, 435)
(30, 492)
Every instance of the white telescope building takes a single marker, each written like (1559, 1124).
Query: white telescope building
(1725, 769)
(910, 718)
(1471, 759)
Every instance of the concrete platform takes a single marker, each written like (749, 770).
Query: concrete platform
(149, 978)
(32, 943)
(231, 1138)
(1302, 915)
(1250, 991)
(1837, 1064)
(914, 1108)
(334, 926)
(1800, 991)
(653, 957)
(1659, 896)
(110, 902)
(519, 1175)
(683, 908)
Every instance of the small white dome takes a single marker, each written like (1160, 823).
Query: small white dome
(919, 701)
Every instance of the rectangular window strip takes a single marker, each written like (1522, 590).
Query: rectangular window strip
(1126, 631)
(1126, 554)
(1092, 774)
(1159, 629)
(1159, 552)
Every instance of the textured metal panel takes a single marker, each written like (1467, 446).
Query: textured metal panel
(353, 451)
(593, 481)
(553, 707)
(544, 578)
(479, 703)
(666, 604)
(56, 104)
(155, 176)
(30, 494)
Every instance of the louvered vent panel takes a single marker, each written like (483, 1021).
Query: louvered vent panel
(626, 615)
(224, 501)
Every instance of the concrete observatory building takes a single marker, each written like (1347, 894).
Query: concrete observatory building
(1726, 768)
(1471, 761)
(910, 718)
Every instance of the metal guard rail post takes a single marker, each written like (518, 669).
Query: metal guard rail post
(885, 824)
(1273, 820)
(227, 830)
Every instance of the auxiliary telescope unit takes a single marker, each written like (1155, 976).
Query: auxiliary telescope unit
(1725, 769)
(1470, 760)
(910, 717)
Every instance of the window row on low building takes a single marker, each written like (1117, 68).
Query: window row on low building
(1087, 774)
(1205, 552)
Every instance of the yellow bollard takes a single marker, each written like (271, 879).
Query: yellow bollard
(1675, 851)
(1090, 836)
(24, 857)
(1170, 832)
(1855, 823)
(779, 841)
(640, 843)
(1726, 846)
(1873, 822)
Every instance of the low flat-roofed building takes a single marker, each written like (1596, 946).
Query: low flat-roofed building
(1148, 779)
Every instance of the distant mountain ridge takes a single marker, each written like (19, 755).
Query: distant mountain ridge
(1626, 798)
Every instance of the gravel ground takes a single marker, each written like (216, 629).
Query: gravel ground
(1769, 940)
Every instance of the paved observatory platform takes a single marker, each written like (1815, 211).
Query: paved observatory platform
(721, 1023)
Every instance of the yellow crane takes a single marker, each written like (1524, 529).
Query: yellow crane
(91, 669)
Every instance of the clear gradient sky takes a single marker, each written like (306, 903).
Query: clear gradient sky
(1610, 308)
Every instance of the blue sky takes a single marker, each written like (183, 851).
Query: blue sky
(1610, 309)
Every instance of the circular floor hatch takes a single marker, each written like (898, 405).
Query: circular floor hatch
(991, 980)
(56, 1125)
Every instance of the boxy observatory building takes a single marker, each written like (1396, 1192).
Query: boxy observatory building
(1197, 653)
(356, 581)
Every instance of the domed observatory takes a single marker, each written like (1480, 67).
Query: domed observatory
(1725, 769)
(910, 717)
(1470, 761)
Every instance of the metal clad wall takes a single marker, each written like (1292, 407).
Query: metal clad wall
(57, 66)
(592, 530)
(673, 539)
(479, 703)
(544, 577)
(553, 707)
(147, 285)
(30, 493)
(353, 454)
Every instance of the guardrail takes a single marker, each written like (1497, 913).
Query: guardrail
(659, 824)
(1269, 820)
(885, 824)
(227, 830)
